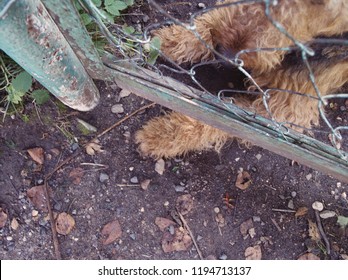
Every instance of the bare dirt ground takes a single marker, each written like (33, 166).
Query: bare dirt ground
(123, 208)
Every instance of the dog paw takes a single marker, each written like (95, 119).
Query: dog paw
(175, 134)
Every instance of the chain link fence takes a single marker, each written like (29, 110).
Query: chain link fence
(300, 99)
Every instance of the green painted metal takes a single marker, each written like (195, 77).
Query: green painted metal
(257, 130)
(30, 37)
(68, 20)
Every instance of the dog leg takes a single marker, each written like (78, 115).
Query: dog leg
(175, 134)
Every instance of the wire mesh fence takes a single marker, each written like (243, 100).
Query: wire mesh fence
(281, 65)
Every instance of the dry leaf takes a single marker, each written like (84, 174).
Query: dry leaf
(313, 231)
(3, 218)
(245, 227)
(301, 211)
(124, 93)
(14, 224)
(37, 197)
(180, 241)
(163, 223)
(145, 184)
(308, 256)
(64, 223)
(37, 155)
(111, 232)
(159, 166)
(253, 253)
(243, 180)
(76, 174)
(184, 204)
(93, 147)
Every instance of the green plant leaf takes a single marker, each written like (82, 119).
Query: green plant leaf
(109, 17)
(86, 19)
(78, 6)
(128, 29)
(40, 96)
(129, 2)
(342, 221)
(155, 45)
(22, 82)
(14, 96)
(114, 7)
(97, 3)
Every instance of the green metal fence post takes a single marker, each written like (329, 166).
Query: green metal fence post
(29, 36)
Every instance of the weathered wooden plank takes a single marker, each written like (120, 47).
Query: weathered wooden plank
(68, 21)
(258, 131)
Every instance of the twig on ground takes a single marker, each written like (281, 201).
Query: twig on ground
(283, 210)
(322, 232)
(276, 224)
(94, 164)
(128, 185)
(52, 223)
(178, 3)
(191, 234)
(122, 120)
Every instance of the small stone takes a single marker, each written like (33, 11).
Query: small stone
(159, 167)
(14, 224)
(146, 18)
(131, 168)
(9, 238)
(179, 188)
(171, 229)
(58, 206)
(117, 109)
(199, 237)
(132, 236)
(34, 213)
(124, 93)
(134, 180)
(318, 206)
(223, 257)
(344, 195)
(217, 210)
(291, 204)
(252, 232)
(201, 5)
(258, 156)
(166, 204)
(74, 146)
(103, 177)
(293, 194)
(145, 184)
(142, 209)
(309, 176)
(256, 219)
(327, 214)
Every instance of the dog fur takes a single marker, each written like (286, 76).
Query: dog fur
(231, 29)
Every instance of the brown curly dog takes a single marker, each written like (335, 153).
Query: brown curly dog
(232, 28)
